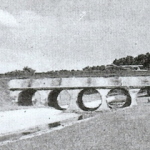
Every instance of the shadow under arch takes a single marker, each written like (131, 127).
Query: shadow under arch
(148, 90)
(53, 99)
(119, 103)
(81, 103)
(25, 97)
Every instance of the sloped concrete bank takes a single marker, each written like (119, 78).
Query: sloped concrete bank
(60, 123)
(122, 129)
(37, 130)
(12, 121)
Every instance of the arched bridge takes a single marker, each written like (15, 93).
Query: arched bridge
(47, 90)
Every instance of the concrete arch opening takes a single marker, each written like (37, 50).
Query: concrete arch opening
(25, 97)
(148, 91)
(59, 99)
(89, 100)
(144, 95)
(144, 92)
(118, 98)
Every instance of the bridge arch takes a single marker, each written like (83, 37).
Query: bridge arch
(144, 95)
(54, 99)
(81, 101)
(118, 98)
(144, 91)
(148, 91)
(25, 97)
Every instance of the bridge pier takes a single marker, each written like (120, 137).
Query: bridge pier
(103, 93)
(14, 95)
(133, 93)
(73, 106)
(40, 98)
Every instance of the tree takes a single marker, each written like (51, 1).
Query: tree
(129, 60)
(28, 70)
(142, 59)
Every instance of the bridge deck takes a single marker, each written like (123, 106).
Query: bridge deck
(81, 87)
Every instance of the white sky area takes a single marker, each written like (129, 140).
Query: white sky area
(71, 34)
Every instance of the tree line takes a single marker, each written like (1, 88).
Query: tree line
(142, 59)
(26, 71)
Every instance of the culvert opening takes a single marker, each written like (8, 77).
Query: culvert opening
(148, 91)
(25, 97)
(89, 100)
(118, 98)
(142, 92)
(59, 99)
(143, 95)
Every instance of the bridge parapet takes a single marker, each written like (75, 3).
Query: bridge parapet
(80, 82)
(135, 81)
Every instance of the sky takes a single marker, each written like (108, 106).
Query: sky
(71, 34)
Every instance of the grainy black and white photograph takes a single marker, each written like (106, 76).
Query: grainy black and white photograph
(74, 75)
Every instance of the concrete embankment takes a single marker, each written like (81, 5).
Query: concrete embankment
(13, 121)
(123, 129)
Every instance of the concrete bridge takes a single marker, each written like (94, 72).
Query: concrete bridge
(46, 91)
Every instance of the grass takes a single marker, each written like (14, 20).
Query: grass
(124, 129)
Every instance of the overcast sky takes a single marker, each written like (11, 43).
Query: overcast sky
(71, 34)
